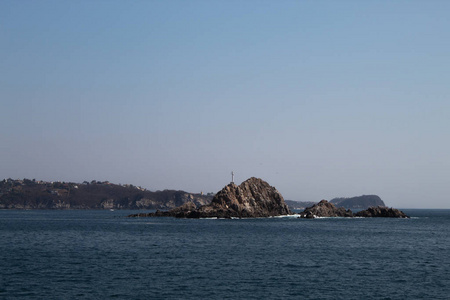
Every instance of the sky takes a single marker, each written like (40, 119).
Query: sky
(321, 99)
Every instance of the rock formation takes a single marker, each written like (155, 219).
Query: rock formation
(251, 199)
(381, 212)
(325, 209)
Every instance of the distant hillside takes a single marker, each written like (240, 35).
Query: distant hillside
(31, 194)
(360, 202)
(299, 204)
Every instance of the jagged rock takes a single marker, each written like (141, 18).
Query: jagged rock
(325, 209)
(381, 212)
(251, 199)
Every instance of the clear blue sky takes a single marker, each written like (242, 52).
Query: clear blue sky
(319, 98)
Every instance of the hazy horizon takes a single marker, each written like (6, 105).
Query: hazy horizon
(321, 99)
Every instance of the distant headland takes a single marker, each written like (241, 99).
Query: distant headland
(36, 194)
(358, 202)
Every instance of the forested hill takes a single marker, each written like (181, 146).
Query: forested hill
(359, 202)
(32, 194)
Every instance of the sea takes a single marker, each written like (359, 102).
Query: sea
(102, 254)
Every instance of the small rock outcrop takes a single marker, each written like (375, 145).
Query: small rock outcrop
(325, 209)
(381, 212)
(253, 198)
(179, 211)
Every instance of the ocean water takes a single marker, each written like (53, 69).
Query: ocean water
(104, 255)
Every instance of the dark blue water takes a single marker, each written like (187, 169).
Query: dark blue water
(102, 255)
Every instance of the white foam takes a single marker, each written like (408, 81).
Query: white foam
(287, 216)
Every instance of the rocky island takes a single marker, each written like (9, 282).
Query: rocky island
(253, 198)
(381, 212)
(327, 209)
